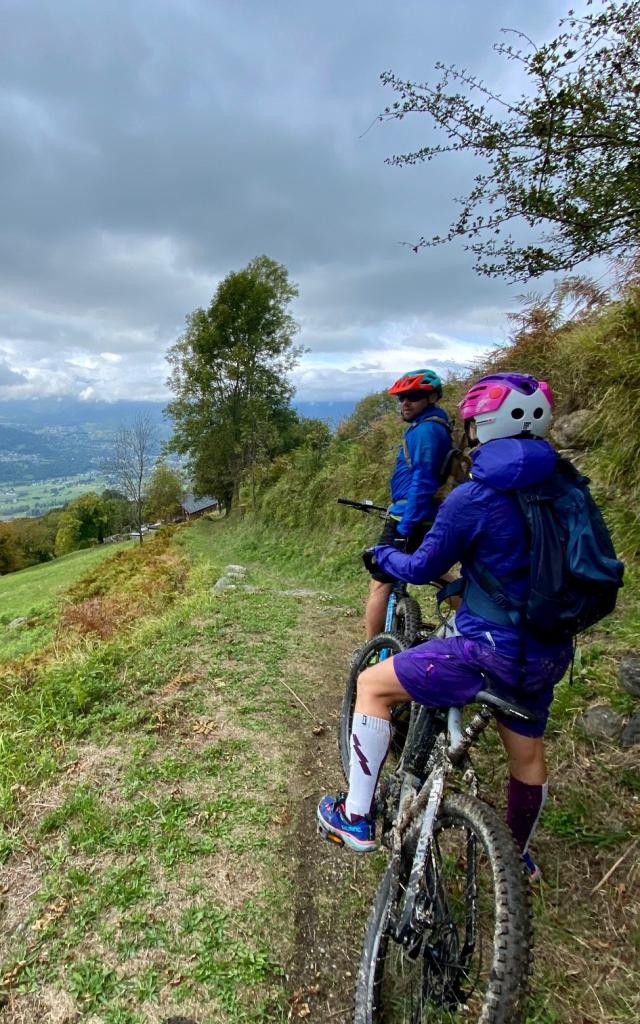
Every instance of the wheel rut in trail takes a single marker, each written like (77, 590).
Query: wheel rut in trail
(329, 883)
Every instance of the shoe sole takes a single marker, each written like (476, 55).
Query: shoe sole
(336, 835)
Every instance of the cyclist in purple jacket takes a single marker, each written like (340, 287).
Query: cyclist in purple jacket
(481, 526)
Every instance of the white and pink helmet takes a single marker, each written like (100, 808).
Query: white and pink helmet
(508, 405)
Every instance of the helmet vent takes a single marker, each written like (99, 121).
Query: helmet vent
(538, 412)
(517, 414)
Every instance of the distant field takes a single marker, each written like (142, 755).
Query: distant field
(33, 594)
(34, 499)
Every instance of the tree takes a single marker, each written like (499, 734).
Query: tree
(164, 493)
(11, 556)
(35, 538)
(367, 410)
(119, 515)
(564, 157)
(134, 450)
(81, 524)
(230, 378)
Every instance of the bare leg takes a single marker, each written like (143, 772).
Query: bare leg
(379, 689)
(376, 610)
(526, 756)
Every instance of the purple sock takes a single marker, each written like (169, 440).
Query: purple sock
(524, 806)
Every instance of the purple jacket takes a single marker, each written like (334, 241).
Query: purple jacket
(480, 523)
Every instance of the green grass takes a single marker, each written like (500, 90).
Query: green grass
(34, 499)
(128, 849)
(34, 593)
(153, 781)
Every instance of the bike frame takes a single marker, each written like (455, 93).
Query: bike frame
(449, 751)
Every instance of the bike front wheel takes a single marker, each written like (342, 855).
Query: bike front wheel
(466, 953)
(382, 646)
(407, 618)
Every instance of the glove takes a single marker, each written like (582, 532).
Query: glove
(370, 560)
(400, 543)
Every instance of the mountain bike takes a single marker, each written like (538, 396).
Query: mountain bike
(449, 935)
(403, 615)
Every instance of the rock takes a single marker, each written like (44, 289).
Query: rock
(629, 674)
(601, 722)
(224, 583)
(18, 623)
(235, 570)
(631, 732)
(568, 430)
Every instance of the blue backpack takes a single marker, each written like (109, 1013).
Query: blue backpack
(574, 574)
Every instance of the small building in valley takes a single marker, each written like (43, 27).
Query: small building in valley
(194, 507)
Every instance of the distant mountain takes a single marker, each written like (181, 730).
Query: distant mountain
(47, 413)
(332, 411)
(48, 439)
(39, 414)
(27, 457)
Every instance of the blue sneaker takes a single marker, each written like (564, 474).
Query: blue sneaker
(532, 869)
(359, 835)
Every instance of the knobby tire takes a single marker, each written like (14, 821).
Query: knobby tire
(407, 618)
(442, 982)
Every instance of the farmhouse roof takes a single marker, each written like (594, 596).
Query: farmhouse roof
(192, 505)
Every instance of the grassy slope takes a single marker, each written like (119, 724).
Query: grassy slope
(151, 788)
(33, 593)
(157, 785)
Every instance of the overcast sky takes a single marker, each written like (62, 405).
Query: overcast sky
(149, 147)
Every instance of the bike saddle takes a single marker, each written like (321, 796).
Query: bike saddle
(505, 707)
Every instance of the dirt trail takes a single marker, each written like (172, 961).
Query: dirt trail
(327, 880)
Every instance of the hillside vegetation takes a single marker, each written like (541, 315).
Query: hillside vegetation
(163, 746)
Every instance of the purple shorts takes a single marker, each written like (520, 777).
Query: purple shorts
(448, 672)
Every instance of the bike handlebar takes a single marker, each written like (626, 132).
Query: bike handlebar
(365, 506)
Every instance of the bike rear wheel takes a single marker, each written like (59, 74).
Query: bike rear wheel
(468, 952)
(382, 646)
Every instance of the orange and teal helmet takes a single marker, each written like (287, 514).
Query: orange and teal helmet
(417, 380)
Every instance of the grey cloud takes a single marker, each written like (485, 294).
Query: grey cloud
(148, 149)
(336, 384)
(9, 377)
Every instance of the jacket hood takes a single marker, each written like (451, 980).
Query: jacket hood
(511, 463)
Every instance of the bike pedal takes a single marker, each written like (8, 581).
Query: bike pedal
(329, 836)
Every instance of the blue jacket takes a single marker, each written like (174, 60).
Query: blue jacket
(480, 524)
(413, 486)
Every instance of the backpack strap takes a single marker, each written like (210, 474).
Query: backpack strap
(405, 450)
(455, 458)
(487, 596)
(453, 588)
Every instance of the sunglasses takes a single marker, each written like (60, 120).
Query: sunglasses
(412, 396)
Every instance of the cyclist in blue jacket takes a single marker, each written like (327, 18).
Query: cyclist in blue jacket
(480, 525)
(414, 481)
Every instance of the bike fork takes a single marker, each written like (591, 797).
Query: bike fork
(404, 930)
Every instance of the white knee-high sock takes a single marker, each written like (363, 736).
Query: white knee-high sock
(370, 739)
